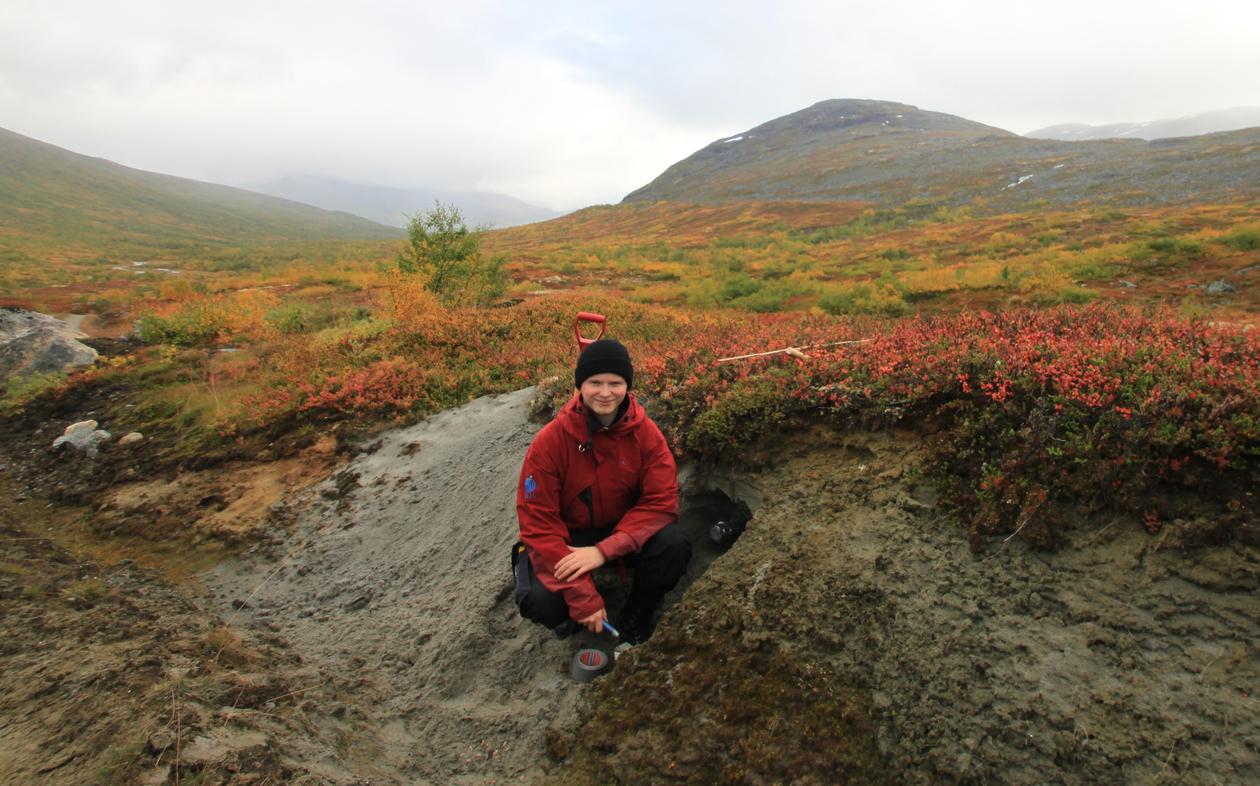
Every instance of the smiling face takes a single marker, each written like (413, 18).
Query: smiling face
(603, 394)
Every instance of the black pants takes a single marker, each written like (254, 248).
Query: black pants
(657, 569)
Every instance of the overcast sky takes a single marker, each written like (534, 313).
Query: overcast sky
(567, 104)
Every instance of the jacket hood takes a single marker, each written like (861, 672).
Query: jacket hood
(573, 418)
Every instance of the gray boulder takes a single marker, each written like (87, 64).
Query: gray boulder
(34, 343)
(84, 436)
(1220, 287)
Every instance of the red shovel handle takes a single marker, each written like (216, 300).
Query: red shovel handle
(587, 316)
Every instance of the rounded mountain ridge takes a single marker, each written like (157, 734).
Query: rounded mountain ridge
(782, 158)
(840, 114)
(886, 154)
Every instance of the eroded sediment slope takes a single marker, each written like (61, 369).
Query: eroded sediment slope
(1112, 660)
(399, 572)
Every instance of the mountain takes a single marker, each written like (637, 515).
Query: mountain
(56, 200)
(889, 153)
(1192, 125)
(392, 206)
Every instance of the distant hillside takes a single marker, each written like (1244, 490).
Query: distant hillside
(55, 201)
(891, 154)
(1192, 125)
(392, 206)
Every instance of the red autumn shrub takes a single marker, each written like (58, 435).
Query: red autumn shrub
(1037, 409)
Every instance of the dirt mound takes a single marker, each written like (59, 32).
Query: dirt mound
(1111, 660)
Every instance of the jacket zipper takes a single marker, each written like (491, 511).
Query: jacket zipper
(590, 503)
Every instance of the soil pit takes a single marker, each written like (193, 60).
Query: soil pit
(848, 634)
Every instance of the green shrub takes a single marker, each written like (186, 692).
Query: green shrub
(290, 318)
(195, 323)
(843, 302)
(769, 297)
(1176, 248)
(1247, 239)
(1075, 295)
(443, 249)
(737, 286)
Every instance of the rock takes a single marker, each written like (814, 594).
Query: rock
(130, 439)
(1126, 284)
(1220, 287)
(34, 343)
(78, 431)
(84, 436)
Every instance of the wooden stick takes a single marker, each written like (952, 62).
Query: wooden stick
(794, 351)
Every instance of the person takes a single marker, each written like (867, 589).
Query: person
(598, 484)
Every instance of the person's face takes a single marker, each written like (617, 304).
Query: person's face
(603, 393)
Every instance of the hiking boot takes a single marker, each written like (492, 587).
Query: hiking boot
(566, 629)
(635, 623)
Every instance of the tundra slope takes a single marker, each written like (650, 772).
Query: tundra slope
(890, 154)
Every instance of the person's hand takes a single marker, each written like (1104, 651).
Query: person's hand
(578, 562)
(595, 622)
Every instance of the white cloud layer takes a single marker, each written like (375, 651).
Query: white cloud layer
(574, 103)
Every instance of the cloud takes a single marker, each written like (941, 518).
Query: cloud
(569, 103)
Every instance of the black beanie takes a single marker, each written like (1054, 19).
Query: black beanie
(606, 356)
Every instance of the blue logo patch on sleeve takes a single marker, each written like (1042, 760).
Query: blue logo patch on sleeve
(531, 486)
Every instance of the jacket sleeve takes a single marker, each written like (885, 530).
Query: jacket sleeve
(658, 498)
(544, 533)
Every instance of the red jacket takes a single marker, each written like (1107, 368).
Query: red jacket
(633, 483)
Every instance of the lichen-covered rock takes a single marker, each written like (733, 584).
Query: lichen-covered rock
(34, 343)
(130, 439)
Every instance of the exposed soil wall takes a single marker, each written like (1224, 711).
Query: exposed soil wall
(1111, 660)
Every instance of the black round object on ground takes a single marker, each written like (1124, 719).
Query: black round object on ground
(588, 664)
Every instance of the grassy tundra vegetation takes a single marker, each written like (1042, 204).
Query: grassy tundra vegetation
(1061, 358)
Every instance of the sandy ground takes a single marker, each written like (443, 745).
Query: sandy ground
(403, 576)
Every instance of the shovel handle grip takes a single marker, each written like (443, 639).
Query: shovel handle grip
(588, 316)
